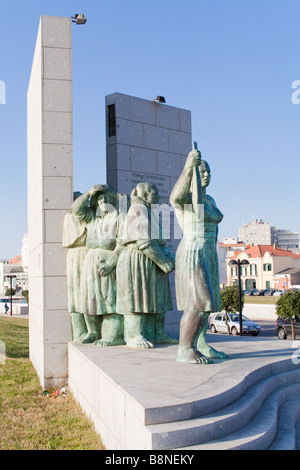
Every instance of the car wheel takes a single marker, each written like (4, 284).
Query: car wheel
(213, 329)
(281, 333)
(234, 331)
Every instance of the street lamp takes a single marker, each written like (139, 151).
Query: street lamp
(239, 264)
(79, 18)
(11, 276)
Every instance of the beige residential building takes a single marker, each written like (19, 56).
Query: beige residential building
(266, 263)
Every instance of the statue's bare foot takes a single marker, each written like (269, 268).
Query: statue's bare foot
(88, 338)
(78, 325)
(192, 356)
(212, 353)
(78, 338)
(139, 342)
(108, 342)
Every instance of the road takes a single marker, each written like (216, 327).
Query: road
(267, 326)
(267, 329)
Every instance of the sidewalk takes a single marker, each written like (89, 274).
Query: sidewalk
(15, 315)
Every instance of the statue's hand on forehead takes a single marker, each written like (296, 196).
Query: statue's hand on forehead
(96, 188)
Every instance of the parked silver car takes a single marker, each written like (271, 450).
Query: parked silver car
(217, 324)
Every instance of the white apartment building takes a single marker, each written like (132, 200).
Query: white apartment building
(259, 232)
(286, 239)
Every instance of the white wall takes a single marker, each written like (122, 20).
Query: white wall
(260, 312)
(50, 189)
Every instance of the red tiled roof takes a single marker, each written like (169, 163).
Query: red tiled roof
(16, 260)
(236, 254)
(258, 251)
(223, 245)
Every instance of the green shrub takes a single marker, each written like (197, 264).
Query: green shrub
(288, 306)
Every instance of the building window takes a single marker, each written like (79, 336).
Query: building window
(244, 271)
(253, 269)
(233, 271)
(111, 118)
(267, 267)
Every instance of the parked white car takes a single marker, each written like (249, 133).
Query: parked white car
(218, 325)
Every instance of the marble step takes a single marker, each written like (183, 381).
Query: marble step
(221, 390)
(261, 431)
(288, 417)
(225, 421)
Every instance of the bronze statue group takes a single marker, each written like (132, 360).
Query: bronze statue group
(118, 272)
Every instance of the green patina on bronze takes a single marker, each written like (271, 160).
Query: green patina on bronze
(142, 273)
(196, 273)
(118, 272)
(96, 212)
(74, 236)
(117, 275)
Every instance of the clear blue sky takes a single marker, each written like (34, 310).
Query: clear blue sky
(232, 63)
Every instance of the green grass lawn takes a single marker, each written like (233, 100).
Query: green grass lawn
(253, 299)
(30, 419)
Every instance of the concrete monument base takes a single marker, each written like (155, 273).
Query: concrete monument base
(145, 400)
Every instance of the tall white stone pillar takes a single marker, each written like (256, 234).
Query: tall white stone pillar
(50, 194)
